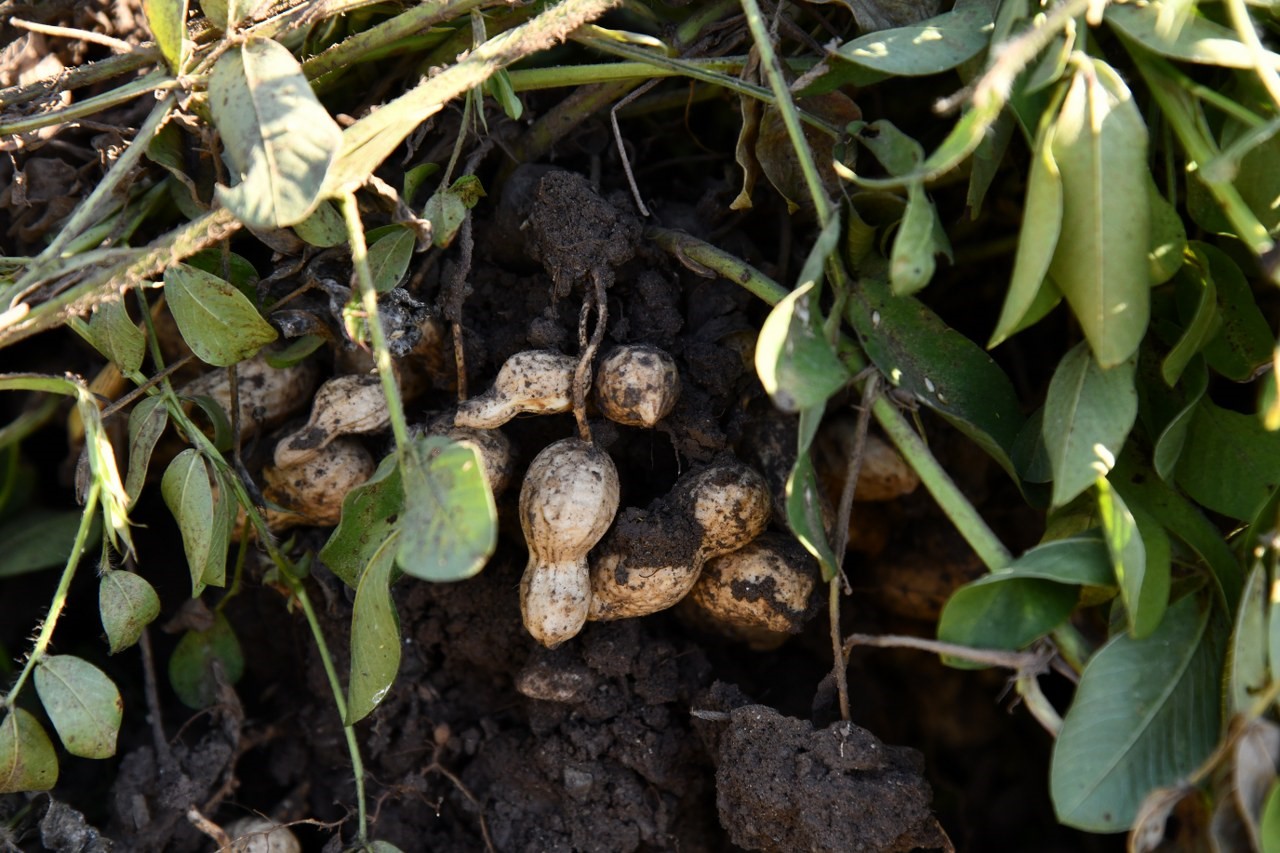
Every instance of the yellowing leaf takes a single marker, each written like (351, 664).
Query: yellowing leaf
(277, 134)
(1100, 146)
(27, 759)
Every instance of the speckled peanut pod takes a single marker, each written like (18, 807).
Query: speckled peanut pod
(652, 558)
(344, 405)
(494, 449)
(761, 593)
(637, 385)
(312, 492)
(533, 381)
(267, 396)
(568, 499)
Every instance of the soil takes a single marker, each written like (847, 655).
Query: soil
(638, 735)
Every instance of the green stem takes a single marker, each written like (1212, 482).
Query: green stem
(698, 70)
(155, 81)
(787, 110)
(954, 504)
(1181, 114)
(43, 639)
(377, 336)
(335, 686)
(80, 75)
(418, 19)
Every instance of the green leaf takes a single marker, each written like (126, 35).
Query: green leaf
(295, 353)
(191, 668)
(1099, 143)
(147, 422)
(450, 524)
(375, 637)
(448, 208)
(116, 337)
(389, 258)
(794, 359)
(1270, 824)
(40, 539)
(370, 515)
(1014, 607)
(1140, 556)
(228, 266)
(1144, 716)
(1167, 412)
(1197, 298)
(804, 514)
(987, 160)
(216, 320)
(1196, 39)
(913, 261)
(127, 603)
(324, 227)
(1038, 238)
(897, 152)
(1230, 463)
(931, 46)
(1248, 666)
(224, 520)
(415, 177)
(278, 136)
(1143, 489)
(1242, 348)
(1167, 246)
(919, 353)
(168, 22)
(189, 496)
(1087, 416)
(82, 703)
(27, 759)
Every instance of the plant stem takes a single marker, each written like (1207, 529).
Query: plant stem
(80, 75)
(157, 80)
(43, 639)
(377, 336)
(787, 110)
(335, 686)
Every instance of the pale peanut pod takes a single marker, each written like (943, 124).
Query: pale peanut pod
(568, 499)
(259, 835)
(761, 593)
(637, 385)
(494, 449)
(312, 492)
(652, 558)
(344, 405)
(267, 395)
(883, 475)
(533, 381)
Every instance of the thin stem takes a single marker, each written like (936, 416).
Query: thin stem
(1240, 19)
(155, 81)
(80, 75)
(787, 110)
(841, 663)
(377, 336)
(118, 45)
(43, 639)
(563, 76)
(335, 687)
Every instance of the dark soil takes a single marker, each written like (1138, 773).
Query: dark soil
(638, 735)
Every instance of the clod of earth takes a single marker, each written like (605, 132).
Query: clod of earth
(569, 497)
(651, 558)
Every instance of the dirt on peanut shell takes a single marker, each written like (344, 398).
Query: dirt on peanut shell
(638, 735)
